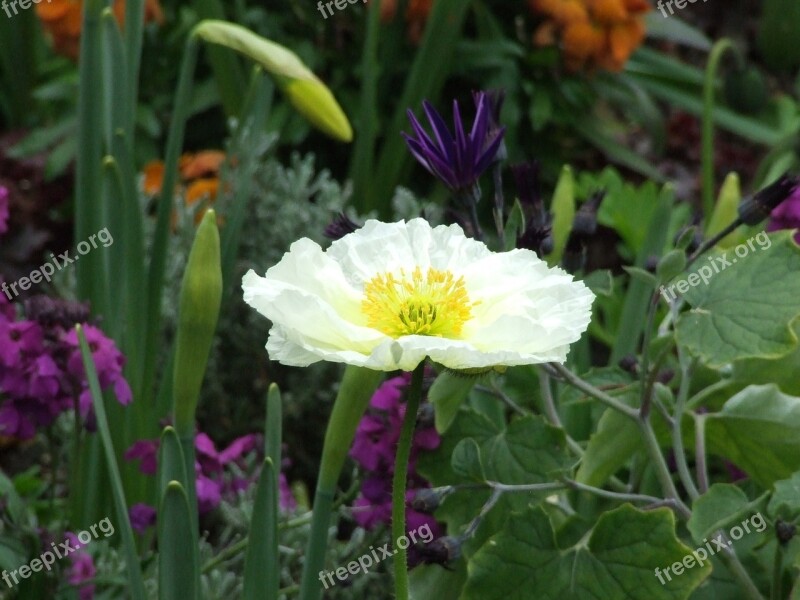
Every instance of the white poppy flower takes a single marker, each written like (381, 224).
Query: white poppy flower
(390, 294)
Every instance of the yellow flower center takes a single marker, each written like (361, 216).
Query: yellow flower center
(432, 304)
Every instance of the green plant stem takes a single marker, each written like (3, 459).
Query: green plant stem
(645, 427)
(707, 152)
(740, 574)
(158, 259)
(777, 573)
(677, 434)
(646, 400)
(413, 399)
(550, 411)
(592, 391)
(700, 452)
(355, 391)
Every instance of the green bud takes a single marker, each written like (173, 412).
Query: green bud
(673, 263)
(563, 211)
(310, 97)
(201, 295)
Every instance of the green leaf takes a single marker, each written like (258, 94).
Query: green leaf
(601, 282)
(447, 394)
(171, 464)
(432, 581)
(617, 561)
(642, 276)
(671, 265)
(781, 371)
(746, 310)
(726, 211)
(177, 568)
(515, 225)
(785, 501)
(466, 460)
(261, 568)
(758, 429)
(562, 208)
(675, 30)
(715, 510)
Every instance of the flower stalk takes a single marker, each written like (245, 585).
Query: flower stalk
(355, 391)
(400, 479)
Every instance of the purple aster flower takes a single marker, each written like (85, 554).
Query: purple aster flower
(787, 215)
(4, 195)
(142, 516)
(458, 161)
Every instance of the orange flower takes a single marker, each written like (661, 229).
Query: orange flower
(199, 180)
(203, 163)
(593, 33)
(153, 177)
(202, 189)
(63, 18)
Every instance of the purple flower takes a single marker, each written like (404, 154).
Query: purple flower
(458, 161)
(147, 452)
(787, 215)
(374, 450)
(142, 516)
(218, 475)
(3, 210)
(82, 569)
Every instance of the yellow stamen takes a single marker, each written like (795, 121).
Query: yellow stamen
(434, 304)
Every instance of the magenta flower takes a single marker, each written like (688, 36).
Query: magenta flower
(142, 517)
(3, 210)
(374, 449)
(458, 161)
(40, 371)
(218, 475)
(787, 215)
(82, 569)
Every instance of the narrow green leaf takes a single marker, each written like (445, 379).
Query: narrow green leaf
(171, 466)
(562, 208)
(261, 567)
(177, 568)
(123, 521)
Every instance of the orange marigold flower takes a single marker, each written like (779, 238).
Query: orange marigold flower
(200, 189)
(593, 33)
(63, 19)
(202, 164)
(153, 177)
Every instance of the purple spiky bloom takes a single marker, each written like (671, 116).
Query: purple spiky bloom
(459, 160)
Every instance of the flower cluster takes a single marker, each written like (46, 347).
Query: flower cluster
(218, 474)
(374, 450)
(787, 215)
(63, 19)
(199, 176)
(41, 370)
(594, 34)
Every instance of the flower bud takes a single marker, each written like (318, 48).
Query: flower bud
(758, 207)
(201, 296)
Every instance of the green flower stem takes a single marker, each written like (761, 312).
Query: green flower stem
(550, 411)
(645, 427)
(355, 391)
(677, 434)
(714, 58)
(592, 391)
(777, 573)
(728, 556)
(158, 259)
(413, 399)
(700, 452)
